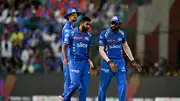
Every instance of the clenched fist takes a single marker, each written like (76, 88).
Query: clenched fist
(113, 66)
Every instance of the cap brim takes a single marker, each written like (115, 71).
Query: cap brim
(66, 16)
(115, 21)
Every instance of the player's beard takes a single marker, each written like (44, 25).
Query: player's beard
(85, 29)
(113, 28)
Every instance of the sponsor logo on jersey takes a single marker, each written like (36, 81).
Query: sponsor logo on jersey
(82, 45)
(114, 46)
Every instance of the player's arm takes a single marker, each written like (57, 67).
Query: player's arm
(64, 47)
(105, 57)
(128, 52)
(90, 54)
(90, 57)
(103, 54)
(102, 42)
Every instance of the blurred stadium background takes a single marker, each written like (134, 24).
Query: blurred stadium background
(30, 42)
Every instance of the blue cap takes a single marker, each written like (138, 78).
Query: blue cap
(116, 19)
(70, 11)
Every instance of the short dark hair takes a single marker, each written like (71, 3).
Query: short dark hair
(85, 18)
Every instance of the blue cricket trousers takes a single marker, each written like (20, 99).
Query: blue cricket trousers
(80, 76)
(106, 75)
(66, 76)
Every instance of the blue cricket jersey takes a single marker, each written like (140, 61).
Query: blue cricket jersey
(78, 44)
(67, 27)
(112, 42)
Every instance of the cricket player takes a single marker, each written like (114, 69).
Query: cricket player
(112, 42)
(79, 41)
(71, 18)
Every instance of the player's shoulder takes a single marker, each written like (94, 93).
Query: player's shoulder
(105, 31)
(67, 26)
(65, 29)
(121, 32)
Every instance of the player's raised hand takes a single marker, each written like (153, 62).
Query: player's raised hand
(113, 66)
(65, 61)
(138, 67)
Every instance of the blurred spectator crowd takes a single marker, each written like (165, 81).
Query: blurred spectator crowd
(30, 34)
(30, 31)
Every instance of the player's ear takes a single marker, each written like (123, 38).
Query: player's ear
(68, 17)
(81, 22)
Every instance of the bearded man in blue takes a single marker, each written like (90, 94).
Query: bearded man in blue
(79, 42)
(112, 42)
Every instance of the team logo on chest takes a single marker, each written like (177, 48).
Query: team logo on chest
(86, 38)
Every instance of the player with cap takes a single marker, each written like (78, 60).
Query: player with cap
(71, 17)
(112, 42)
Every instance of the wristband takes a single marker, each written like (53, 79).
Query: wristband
(109, 61)
(133, 61)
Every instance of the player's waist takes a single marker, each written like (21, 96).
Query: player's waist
(62, 58)
(115, 57)
(117, 61)
(78, 58)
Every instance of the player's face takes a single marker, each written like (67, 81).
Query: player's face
(86, 26)
(73, 17)
(114, 26)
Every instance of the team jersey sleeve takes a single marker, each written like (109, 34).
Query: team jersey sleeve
(124, 37)
(64, 32)
(67, 37)
(102, 39)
